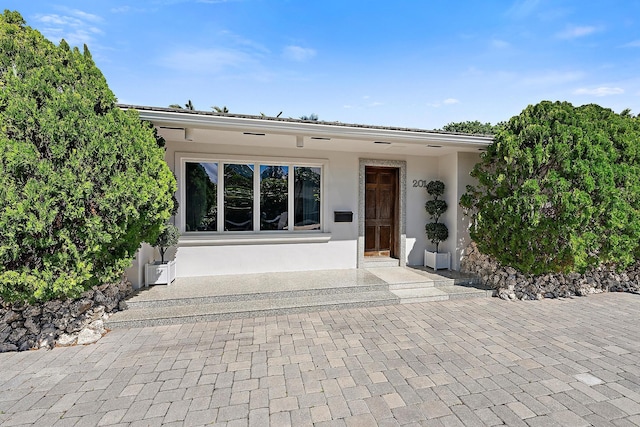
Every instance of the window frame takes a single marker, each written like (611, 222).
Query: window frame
(252, 236)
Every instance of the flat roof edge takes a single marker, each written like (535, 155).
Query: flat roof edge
(224, 121)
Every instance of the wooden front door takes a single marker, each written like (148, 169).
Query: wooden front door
(380, 211)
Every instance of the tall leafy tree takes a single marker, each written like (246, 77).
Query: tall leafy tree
(472, 127)
(82, 183)
(559, 190)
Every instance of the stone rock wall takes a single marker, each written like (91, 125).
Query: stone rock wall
(60, 322)
(511, 284)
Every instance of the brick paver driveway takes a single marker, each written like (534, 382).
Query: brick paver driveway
(479, 362)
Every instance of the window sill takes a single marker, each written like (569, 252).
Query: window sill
(209, 239)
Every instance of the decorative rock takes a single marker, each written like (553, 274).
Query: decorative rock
(32, 325)
(5, 346)
(98, 326)
(11, 316)
(80, 306)
(17, 334)
(503, 294)
(26, 345)
(88, 336)
(510, 284)
(66, 340)
(53, 306)
(75, 325)
(61, 322)
(98, 312)
(47, 338)
(32, 311)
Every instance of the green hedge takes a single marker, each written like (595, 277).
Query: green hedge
(82, 183)
(559, 190)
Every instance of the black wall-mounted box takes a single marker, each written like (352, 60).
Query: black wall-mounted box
(343, 216)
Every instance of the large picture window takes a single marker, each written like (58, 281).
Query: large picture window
(241, 196)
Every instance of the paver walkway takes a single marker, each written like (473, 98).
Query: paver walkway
(573, 362)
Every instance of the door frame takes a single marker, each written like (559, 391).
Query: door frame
(401, 234)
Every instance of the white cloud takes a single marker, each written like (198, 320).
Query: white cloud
(85, 16)
(244, 42)
(550, 78)
(522, 8)
(75, 26)
(500, 44)
(599, 91)
(574, 32)
(128, 9)
(53, 19)
(635, 43)
(206, 60)
(447, 101)
(298, 54)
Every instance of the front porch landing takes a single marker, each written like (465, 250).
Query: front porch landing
(206, 298)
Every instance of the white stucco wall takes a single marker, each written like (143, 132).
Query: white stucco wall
(341, 187)
(466, 162)
(448, 174)
(135, 273)
(420, 170)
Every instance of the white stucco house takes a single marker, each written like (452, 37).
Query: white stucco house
(262, 194)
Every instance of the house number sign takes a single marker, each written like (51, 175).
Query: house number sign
(420, 183)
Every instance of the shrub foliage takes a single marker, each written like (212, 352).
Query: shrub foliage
(82, 183)
(472, 127)
(559, 190)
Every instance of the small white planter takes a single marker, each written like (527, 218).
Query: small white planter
(157, 273)
(437, 260)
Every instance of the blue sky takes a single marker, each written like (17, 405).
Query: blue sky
(420, 63)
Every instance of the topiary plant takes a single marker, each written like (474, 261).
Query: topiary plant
(169, 236)
(436, 231)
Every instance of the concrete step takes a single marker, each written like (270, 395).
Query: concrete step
(414, 285)
(192, 313)
(439, 293)
(146, 300)
(466, 292)
(415, 295)
(377, 262)
(443, 282)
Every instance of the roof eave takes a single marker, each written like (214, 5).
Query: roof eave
(168, 118)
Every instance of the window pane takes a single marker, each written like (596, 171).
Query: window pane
(307, 198)
(238, 197)
(274, 197)
(201, 196)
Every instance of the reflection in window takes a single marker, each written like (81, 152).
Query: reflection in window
(306, 198)
(274, 200)
(238, 197)
(201, 196)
